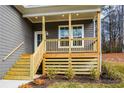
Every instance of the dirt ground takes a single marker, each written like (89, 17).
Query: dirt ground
(81, 79)
(113, 57)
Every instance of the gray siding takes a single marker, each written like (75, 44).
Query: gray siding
(13, 30)
(52, 27)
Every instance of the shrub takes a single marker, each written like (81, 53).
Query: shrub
(39, 81)
(95, 74)
(69, 73)
(51, 73)
(109, 72)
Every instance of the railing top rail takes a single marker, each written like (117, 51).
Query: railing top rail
(15, 49)
(87, 38)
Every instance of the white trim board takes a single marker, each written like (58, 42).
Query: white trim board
(59, 13)
(76, 19)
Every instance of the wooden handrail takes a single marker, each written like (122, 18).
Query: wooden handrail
(86, 38)
(15, 49)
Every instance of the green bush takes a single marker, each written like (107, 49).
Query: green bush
(110, 72)
(95, 74)
(51, 73)
(69, 73)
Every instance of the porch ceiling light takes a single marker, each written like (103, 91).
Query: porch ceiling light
(63, 15)
(77, 14)
(36, 17)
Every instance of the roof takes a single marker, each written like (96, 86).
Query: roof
(54, 11)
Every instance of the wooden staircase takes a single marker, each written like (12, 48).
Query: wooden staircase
(20, 70)
(81, 63)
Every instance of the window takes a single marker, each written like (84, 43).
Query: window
(64, 34)
(77, 32)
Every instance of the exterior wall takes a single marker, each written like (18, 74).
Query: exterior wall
(52, 27)
(13, 30)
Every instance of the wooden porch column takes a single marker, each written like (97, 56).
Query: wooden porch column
(98, 39)
(43, 40)
(70, 29)
(70, 33)
(43, 28)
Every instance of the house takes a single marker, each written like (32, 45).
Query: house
(56, 37)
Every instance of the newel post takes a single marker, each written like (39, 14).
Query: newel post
(43, 29)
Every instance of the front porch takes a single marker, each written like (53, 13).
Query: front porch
(69, 46)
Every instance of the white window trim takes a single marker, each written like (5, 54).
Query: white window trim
(82, 25)
(35, 39)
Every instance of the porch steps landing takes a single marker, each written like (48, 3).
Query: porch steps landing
(20, 70)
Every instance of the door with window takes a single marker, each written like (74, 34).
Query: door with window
(38, 39)
(76, 34)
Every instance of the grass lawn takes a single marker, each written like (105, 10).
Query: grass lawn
(119, 68)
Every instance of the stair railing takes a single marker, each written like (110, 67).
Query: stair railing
(15, 49)
(36, 59)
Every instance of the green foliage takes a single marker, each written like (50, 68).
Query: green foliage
(119, 68)
(51, 73)
(69, 73)
(95, 74)
(110, 72)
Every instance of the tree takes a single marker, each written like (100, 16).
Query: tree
(112, 28)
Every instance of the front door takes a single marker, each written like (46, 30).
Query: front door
(38, 39)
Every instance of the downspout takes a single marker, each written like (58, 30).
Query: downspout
(100, 46)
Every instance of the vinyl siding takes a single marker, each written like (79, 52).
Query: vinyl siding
(13, 30)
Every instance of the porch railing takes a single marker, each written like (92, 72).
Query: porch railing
(36, 59)
(77, 45)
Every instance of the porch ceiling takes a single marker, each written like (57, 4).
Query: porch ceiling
(63, 17)
(56, 12)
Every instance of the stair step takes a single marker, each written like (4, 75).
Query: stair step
(24, 59)
(24, 56)
(19, 69)
(18, 73)
(21, 66)
(8, 77)
(23, 63)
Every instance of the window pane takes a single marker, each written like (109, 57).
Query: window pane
(64, 33)
(77, 32)
(39, 39)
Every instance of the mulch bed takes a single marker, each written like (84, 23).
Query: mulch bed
(113, 57)
(80, 79)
